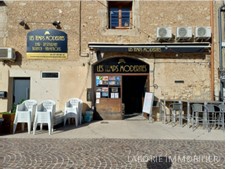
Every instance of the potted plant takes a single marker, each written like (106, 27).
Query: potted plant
(8, 122)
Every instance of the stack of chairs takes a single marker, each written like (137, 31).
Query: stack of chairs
(73, 109)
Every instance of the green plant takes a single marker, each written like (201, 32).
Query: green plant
(13, 110)
(4, 113)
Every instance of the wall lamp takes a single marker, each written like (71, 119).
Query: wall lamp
(24, 24)
(57, 24)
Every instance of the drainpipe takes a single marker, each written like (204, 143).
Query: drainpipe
(221, 68)
(212, 51)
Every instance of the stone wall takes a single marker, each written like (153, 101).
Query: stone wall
(3, 24)
(90, 25)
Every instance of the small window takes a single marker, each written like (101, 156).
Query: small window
(119, 14)
(179, 81)
(50, 75)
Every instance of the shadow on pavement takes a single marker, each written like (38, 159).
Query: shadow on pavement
(68, 127)
(159, 163)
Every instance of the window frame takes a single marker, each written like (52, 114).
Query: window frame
(120, 5)
(44, 72)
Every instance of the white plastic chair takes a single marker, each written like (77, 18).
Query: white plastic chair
(25, 114)
(45, 114)
(80, 111)
(73, 109)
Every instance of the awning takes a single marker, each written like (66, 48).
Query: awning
(187, 47)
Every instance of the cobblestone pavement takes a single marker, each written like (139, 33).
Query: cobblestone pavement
(56, 153)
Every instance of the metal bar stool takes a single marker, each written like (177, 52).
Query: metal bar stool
(176, 113)
(162, 111)
(198, 115)
(221, 115)
(212, 116)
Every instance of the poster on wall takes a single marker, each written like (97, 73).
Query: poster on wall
(112, 95)
(98, 95)
(46, 44)
(104, 92)
(116, 95)
(114, 89)
(105, 80)
(114, 80)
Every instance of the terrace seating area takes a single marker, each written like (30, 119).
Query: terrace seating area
(193, 113)
(45, 113)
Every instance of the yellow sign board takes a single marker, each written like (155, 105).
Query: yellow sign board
(46, 55)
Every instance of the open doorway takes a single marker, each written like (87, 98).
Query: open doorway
(134, 88)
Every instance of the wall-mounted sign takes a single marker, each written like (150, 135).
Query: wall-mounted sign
(46, 44)
(140, 49)
(121, 65)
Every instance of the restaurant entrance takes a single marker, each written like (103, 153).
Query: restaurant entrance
(119, 84)
(134, 88)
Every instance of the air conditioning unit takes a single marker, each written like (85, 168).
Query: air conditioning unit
(184, 33)
(7, 54)
(203, 32)
(164, 33)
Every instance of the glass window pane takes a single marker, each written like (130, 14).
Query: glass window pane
(114, 17)
(125, 17)
(119, 14)
(50, 75)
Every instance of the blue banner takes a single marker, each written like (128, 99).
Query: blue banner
(46, 44)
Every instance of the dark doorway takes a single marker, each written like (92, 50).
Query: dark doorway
(21, 90)
(133, 94)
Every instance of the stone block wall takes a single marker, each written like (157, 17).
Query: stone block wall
(3, 24)
(85, 22)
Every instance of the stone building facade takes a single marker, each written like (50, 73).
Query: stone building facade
(174, 75)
